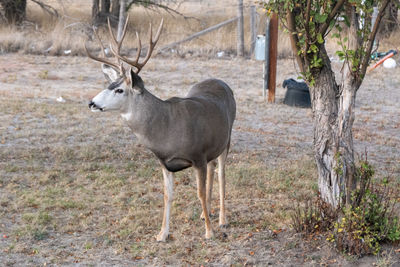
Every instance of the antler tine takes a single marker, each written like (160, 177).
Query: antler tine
(128, 61)
(103, 60)
(135, 63)
(113, 39)
(118, 43)
(152, 43)
(159, 30)
(99, 59)
(139, 48)
(99, 40)
(125, 27)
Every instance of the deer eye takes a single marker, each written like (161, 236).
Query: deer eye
(119, 91)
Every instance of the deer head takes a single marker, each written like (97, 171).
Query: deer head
(122, 85)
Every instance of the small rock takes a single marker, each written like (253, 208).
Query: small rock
(60, 99)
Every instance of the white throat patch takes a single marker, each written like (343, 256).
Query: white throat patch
(126, 116)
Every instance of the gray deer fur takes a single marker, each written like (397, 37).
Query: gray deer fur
(193, 131)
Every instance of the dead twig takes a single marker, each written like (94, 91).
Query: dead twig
(47, 8)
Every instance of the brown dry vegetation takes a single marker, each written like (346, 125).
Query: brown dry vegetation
(43, 34)
(76, 189)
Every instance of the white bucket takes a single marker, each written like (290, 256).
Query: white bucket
(259, 51)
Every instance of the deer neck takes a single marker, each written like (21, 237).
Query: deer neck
(146, 115)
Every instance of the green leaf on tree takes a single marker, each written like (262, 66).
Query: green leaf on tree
(320, 40)
(320, 18)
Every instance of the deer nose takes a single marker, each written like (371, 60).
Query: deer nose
(92, 104)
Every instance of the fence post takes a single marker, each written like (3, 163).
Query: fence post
(273, 56)
(252, 29)
(240, 30)
(266, 60)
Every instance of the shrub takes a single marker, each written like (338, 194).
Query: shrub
(370, 219)
(361, 226)
(314, 217)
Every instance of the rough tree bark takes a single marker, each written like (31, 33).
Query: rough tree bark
(14, 10)
(101, 10)
(390, 22)
(105, 6)
(95, 10)
(115, 8)
(333, 112)
(324, 99)
(122, 18)
(333, 104)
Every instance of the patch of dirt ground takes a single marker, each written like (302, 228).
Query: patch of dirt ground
(76, 189)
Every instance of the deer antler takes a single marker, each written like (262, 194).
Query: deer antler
(104, 59)
(135, 63)
(115, 47)
(118, 65)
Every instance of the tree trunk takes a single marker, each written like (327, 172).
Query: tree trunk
(122, 19)
(95, 10)
(105, 6)
(100, 11)
(390, 22)
(333, 114)
(14, 10)
(115, 10)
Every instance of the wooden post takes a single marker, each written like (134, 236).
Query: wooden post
(266, 60)
(252, 29)
(240, 30)
(273, 55)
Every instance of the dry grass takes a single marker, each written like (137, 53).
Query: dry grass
(75, 188)
(74, 181)
(43, 34)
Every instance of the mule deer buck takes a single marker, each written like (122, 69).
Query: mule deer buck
(193, 131)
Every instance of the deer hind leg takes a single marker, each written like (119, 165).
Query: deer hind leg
(201, 174)
(209, 186)
(221, 181)
(168, 194)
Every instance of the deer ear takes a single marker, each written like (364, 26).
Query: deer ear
(110, 73)
(136, 82)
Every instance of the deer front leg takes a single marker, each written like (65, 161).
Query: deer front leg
(201, 193)
(209, 186)
(221, 181)
(168, 194)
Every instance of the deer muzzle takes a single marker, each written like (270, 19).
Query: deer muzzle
(94, 107)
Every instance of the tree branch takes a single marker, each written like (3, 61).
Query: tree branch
(157, 5)
(333, 13)
(307, 18)
(371, 39)
(294, 39)
(49, 9)
(308, 9)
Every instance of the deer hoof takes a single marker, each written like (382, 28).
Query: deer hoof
(162, 237)
(210, 215)
(223, 226)
(223, 223)
(209, 234)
